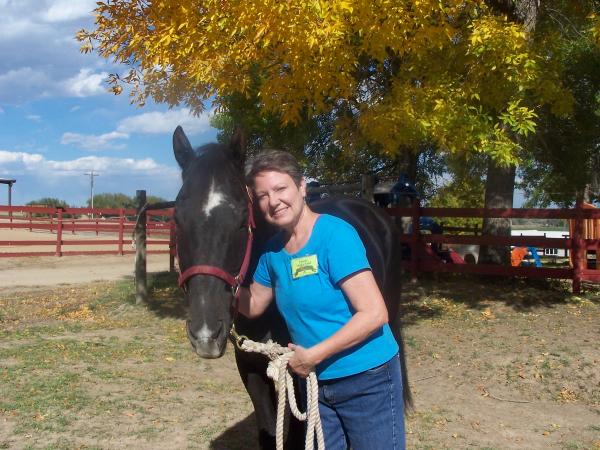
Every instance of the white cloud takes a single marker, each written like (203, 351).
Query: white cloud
(26, 83)
(165, 122)
(17, 85)
(34, 118)
(75, 108)
(24, 158)
(85, 83)
(92, 142)
(39, 55)
(21, 162)
(16, 27)
(40, 177)
(68, 10)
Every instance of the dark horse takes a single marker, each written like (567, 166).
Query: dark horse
(211, 213)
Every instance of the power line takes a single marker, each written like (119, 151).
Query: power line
(92, 174)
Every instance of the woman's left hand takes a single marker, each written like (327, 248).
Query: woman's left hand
(302, 363)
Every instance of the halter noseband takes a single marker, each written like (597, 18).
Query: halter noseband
(233, 281)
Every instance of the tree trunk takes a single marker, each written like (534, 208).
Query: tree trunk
(408, 161)
(594, 186)
(522, 11)
(500, 182)
(499, 191)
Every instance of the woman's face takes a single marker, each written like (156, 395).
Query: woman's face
(280, 200)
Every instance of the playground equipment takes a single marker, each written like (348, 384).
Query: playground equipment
(519, 257)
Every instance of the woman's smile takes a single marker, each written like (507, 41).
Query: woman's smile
(279, 198)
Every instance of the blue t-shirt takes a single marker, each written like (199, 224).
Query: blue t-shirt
(307, 292)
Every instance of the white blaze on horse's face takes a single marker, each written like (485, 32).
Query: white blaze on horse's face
(214, 199)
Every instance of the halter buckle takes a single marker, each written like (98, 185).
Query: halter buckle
(238, 339)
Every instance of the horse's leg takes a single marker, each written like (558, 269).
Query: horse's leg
(393, 294)
(260, 388)
(253, 370)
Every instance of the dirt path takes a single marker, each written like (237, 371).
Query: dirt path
(35, 272)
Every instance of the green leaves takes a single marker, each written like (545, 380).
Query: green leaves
(393, 74)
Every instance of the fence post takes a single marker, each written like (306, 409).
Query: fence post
(414, 238)
(121, 229)
(141, 289)
(367, 187)
(578, 251)
(59, 227)
(30, 222)
(172, 244)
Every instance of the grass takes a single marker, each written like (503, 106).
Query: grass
(60, 344)
(85, 367)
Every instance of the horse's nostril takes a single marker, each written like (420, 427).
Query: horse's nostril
(205, 333)
(219, 331)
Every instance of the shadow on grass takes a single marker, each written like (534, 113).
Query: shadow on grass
(431, 295)
(241, 436)
(165, 298)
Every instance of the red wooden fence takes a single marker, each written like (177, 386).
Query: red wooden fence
(576, 243)
(122, 222)
(116, 224)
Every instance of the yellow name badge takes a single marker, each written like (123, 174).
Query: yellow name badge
(304, 266)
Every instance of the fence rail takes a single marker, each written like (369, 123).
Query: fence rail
(585, 222)
(159, 223)
(69, 222)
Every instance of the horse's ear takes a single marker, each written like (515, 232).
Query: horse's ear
(238, 142)
(182, 148)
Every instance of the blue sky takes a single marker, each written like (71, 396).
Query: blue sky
(57, 120)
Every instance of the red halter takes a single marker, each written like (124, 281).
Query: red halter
(233, 281)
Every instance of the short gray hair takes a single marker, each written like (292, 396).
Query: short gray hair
(276, 161)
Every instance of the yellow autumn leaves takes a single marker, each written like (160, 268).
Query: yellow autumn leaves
(443, 71)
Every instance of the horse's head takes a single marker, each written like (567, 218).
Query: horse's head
(211, 212)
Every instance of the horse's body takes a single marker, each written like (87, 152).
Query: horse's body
(212, 214)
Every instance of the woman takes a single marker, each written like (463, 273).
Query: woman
(316, 269)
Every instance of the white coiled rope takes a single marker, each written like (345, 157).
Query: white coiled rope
(284, 384)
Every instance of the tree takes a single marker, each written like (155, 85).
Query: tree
(553, 156)
(119, 200)
(564, 158)
(454, 74)
(371, 79)
(115, 200)
(49, 202)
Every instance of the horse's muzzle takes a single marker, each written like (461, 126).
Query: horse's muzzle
(209, 346)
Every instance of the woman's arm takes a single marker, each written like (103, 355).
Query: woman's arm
(254, 300)
(371, 313)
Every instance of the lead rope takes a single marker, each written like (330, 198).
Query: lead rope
(284, 384)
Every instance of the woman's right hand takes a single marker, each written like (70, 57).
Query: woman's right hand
(253, 301)
(303, 361)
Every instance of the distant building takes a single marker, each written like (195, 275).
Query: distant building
(558, 252)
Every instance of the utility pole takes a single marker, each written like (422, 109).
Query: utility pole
(92, 174)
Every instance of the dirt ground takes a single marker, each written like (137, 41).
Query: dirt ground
(492, 365)
(38, 271)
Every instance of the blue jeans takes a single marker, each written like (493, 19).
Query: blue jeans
(364, 411)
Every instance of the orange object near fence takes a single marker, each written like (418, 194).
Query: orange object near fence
(516, 256)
